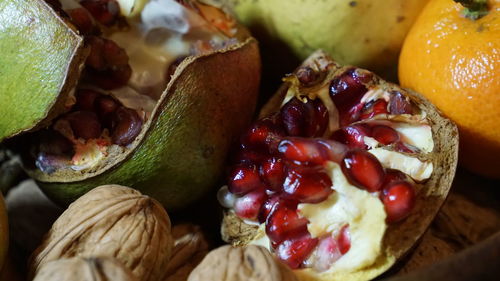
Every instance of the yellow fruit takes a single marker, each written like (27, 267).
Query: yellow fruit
(365, 33)
(455, 62)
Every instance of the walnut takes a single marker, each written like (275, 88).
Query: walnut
(190, 247)
(84, 269)
(251, 263)
(115, 221)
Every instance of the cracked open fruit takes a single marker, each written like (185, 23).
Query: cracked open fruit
(342, 173)
(127, 92)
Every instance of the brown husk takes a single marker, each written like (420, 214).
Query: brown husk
(400, 237)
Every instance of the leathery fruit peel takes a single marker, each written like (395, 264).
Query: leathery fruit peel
(183, 141)
(360, 167)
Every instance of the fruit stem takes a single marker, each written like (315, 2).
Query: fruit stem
(474, 9)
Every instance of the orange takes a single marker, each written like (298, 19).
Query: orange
(455, 62)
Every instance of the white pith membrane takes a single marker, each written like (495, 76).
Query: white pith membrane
(156, 34)
(363, 212)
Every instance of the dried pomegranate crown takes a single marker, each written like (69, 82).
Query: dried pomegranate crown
(341, 174)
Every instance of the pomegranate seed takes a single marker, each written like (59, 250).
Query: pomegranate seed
(82, 20)
(273, 173)
(106, 105)
(334, 149)
(95, 58)
(249, 205)
(374, 108)
(363, 170)
(284, 223)
(346, 92)
(307, 76)
(399, 104)
(326, 254)
(267, 207)
(307, 184)
(303, 150)
(385, 134)
(84, 124)
(265, 134)
(126, 126)
(392, 175)
(344, 239)
(295, 251)
(112, 78)
(105, 54)
(85, 99)
(399, 199)
(105, 12)
(297, 117)
(353, 136)
(321, 119)
(246, 155)
(54, 143)
(243, 179)
(113, 54)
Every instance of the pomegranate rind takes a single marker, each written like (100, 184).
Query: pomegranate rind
(399, 238)
(181, 150)
(41, 60)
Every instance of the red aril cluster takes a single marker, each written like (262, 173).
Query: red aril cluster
(281, 162)
(92, 113)
(107, 64)
(106, 12)
(373, 108)
(294, 251)
(398, 198)
(301, 119)
(354, 136)
(106, 67)
(83, 21)
(307, 184)
(347, 91)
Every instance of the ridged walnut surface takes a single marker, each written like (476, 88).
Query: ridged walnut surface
(115, 221)
(85, 269)
(251, 263)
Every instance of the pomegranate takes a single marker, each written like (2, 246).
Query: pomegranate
(132, 86)
(330, 187)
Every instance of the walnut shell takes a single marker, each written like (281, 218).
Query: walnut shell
(115, 221)
(251, 263)
(85, 269)
(190, 247)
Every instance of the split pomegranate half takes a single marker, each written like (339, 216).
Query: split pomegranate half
(130, 62)
(341, 174)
